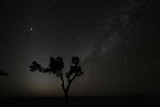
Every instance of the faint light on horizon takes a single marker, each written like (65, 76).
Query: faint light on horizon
(43, 85)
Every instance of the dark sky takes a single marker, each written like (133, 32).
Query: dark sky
(118, 42)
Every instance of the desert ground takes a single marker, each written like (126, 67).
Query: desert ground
(109, 101)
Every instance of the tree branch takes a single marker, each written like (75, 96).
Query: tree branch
(68, 78)
(61, 77)
(73, 78)
(70, 81)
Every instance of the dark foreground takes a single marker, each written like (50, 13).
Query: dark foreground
(116, 101)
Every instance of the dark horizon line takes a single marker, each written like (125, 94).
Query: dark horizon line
(80, 96)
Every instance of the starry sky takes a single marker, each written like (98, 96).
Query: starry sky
(117, 42)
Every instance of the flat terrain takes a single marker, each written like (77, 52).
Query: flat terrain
(114, 101)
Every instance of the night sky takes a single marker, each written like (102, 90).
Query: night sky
(118, 42)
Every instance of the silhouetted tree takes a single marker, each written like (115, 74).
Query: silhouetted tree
(2, 73)
(56, 67)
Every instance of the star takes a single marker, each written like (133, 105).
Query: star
(31, 29)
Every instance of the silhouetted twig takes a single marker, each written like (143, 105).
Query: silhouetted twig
(2, 73)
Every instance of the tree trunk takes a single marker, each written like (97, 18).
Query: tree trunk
(66, 98)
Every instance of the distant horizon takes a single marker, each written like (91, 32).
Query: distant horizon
(122, 95)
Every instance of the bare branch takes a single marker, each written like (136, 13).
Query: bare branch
(73, 78)
(61, 77)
